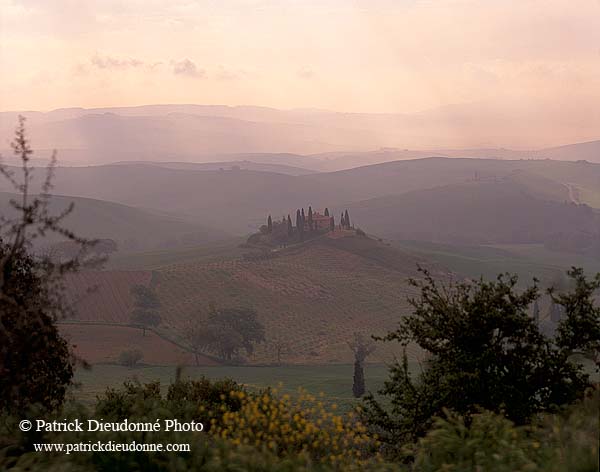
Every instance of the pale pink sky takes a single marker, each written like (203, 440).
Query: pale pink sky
(362, 55)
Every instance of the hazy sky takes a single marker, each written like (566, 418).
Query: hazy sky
(364, 55)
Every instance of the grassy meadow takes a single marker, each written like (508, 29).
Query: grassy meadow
(334, 381)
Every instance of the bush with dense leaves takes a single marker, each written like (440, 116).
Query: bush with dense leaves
(485, 351)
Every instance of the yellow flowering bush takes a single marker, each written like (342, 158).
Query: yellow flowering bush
(286, 425)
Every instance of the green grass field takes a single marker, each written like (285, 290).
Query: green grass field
(335, 381)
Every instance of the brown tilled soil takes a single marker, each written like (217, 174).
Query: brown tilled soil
(103, 343)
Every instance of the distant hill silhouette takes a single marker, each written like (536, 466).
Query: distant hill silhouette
(237, 201)
(133, 229)
(478, 212)
(169, 132)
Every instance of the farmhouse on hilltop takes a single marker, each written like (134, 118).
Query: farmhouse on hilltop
(319, 221)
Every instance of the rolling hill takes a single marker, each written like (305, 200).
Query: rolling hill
(397, 177)
(312, 297)
(228, 165)
(237, 201)
(478, 212)
(133, 229)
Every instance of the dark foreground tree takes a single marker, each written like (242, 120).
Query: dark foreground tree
(579, 328)
(361, 347)
(485, 352)
(36, 364)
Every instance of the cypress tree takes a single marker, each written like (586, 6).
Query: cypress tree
(358, 384)
(298, 221)
(300, 224)
(342, 222)
(310, 218)
(326, 211)
(269, 224)
(347, 219)
(331, 224)
(290, 228)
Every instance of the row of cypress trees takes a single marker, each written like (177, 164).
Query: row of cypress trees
(306, 219)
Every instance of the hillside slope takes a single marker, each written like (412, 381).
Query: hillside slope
(238, 201)
(488, 212)
(394, 178)
(133, 229)
(312, 297)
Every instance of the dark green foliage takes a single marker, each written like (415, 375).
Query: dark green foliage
(269, 224)
(198, 399)
(579, 327)
(485, 352)
(536, 313)
(145, 308)
(310, 218)
(326, 213)
(36, 365)
(347, 219)
(213, 396)
(489, 442)
(290, 228)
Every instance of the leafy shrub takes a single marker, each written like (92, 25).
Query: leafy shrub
(288, 427)
(556, 443)
(490, 442)
(207, 400)
(130, 358)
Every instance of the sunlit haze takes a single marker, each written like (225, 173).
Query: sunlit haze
(352, 56)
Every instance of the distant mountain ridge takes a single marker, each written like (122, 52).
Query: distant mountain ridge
(169, 132)
(239, 201)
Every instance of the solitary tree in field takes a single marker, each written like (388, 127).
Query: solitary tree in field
(145, 308)
(326, 212)
(310, 218)
(269, 225)
(362, 347)
(36, 363)
(201, 337)
(227, 331)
